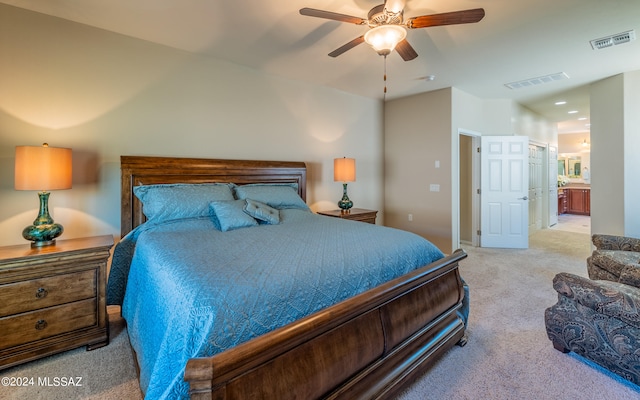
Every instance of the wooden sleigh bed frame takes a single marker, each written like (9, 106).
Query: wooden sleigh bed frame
(366, 347)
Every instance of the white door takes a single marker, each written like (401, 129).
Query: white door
(504, 185)
(535, 187)
(553, 186)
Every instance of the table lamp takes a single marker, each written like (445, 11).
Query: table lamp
(344, 170)
(42, 168)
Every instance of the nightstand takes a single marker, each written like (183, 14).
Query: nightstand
(355, 214)
(53, 298)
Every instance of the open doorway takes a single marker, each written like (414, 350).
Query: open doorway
(542, 194)
(469, 186)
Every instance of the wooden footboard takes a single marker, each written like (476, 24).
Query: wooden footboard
(365, 347)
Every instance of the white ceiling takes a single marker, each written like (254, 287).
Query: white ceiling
(516, 40)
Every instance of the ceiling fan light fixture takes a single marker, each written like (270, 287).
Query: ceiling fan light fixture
(384, 38)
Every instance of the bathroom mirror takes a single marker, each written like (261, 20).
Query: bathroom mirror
(574, 166)
(562, 170)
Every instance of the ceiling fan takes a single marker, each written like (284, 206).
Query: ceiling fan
(388, 27)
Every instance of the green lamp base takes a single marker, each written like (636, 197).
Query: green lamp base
(42, 235)
(345, 204)
(44, 231)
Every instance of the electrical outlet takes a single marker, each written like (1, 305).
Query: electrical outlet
(410, 217)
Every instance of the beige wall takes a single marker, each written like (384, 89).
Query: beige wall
(615, 139)
(631, 151)
(417, 134)
(537, 128)
(423, 128)
(106, 95)
(572, 142)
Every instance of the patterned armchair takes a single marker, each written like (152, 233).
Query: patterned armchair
(616, 258)
(599, 320)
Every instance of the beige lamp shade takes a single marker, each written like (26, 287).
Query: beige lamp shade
(42, 168)
(344, 169)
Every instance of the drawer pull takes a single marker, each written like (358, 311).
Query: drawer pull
(41, 293)
(41, 324)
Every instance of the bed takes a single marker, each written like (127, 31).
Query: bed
(348, 341)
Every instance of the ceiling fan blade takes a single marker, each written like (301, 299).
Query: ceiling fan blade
(406, 51)
(450, 18)
(347, 46)
(312, 12)
(395, 6)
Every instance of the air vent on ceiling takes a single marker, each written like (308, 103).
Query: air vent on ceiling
(613, 40)
(537, 81)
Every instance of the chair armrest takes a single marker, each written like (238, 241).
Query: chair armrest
(613, 299)
(630, 275)
(613, 242)
(616, 266)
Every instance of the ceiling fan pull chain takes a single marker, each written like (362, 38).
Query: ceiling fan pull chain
(384, 96)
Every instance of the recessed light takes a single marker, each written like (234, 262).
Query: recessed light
(573, 112)
(582, 119)
(560, 103)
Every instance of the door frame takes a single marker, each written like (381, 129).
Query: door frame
(552, 185)
(546, 206)
(455, 222)
(475, 181)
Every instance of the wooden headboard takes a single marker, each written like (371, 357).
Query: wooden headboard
(137, 171)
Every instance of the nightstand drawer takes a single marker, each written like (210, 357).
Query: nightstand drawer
(36, 325)
(35, 294)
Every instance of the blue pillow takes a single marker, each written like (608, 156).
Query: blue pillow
(262, 212)
(276, 195)
(180, 200)
(228, 215)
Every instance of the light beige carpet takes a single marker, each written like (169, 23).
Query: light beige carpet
(508, 355)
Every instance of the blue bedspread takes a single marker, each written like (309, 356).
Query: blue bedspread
(188, 290)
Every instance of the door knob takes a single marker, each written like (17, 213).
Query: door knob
(523, 198)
